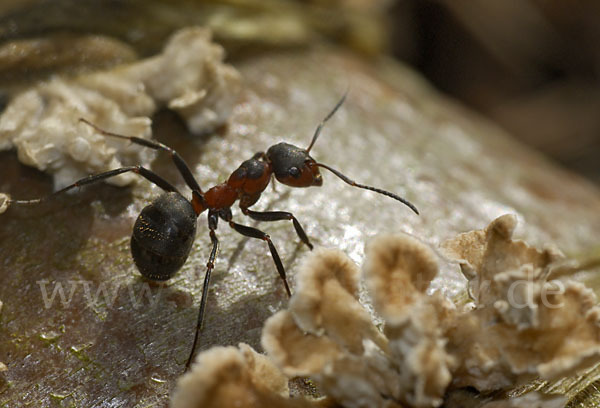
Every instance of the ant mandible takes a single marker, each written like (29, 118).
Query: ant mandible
(164, 231)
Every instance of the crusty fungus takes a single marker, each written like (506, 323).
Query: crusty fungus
(327, 302)
(42, 123)
(327, 335)
(523, 326)
(236, 377)
(399, 270)
(483, 253)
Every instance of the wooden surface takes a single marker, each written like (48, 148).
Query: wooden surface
(393, 132)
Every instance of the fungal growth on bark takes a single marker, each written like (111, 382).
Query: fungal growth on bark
(189, 77)
(521, 324)
(345, 353)
(524, 324)
(235, 377)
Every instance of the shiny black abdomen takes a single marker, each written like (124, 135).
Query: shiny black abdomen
(163, 235)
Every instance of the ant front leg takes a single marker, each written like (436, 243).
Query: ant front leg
(210, 265)
(255, 233)
(278, 216)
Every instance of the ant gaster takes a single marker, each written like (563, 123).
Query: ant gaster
(164, 231)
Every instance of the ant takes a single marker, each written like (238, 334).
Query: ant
(164, 231)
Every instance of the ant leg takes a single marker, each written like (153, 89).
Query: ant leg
(255, 233)
(147, 174)
(177, 159)
(212, 224)
(278, 216)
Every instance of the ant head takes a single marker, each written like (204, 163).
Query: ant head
(293, 166)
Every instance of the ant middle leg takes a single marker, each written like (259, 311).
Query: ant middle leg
(256, 233)
(278, 216)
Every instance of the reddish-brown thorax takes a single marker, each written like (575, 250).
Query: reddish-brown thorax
(239, 186)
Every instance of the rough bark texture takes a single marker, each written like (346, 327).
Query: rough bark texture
(393, 132)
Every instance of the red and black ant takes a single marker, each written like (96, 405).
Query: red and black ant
(164, 231)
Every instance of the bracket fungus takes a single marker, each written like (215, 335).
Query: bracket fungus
(483, 253)
(521, 326)
(235, 377)
(346, 354)
(189, 76)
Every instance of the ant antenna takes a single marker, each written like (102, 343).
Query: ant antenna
(318, 131)
(377, 190)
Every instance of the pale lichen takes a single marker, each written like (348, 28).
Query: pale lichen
(189, 76)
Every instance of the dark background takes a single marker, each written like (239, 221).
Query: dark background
(532, 66)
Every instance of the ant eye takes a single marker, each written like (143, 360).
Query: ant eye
(294, 172)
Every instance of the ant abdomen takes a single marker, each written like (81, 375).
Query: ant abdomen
(163, 235)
